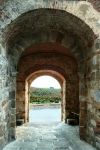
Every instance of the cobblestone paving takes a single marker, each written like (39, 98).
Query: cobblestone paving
(54, 136)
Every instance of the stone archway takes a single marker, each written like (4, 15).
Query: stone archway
(62, 43)
(53, 74)
(55, 65)
(58, 51)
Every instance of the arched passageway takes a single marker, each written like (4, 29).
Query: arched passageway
(27, 84)
(49, 66)
(45, 100)
(57, 43)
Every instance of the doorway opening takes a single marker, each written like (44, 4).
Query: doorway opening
(45, 100)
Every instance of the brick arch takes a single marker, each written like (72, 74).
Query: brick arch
(23, 111)
(61, 73)
(64, 29)
(75, 8)
(48, 72)
(59, 77)
(62, 67)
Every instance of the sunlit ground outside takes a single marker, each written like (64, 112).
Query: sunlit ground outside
(45, 115)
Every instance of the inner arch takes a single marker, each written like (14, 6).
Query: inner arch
(54, 74)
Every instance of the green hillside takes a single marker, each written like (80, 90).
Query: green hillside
(45, 95)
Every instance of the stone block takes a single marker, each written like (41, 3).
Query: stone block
(82, 122)
(89, 107)
(13, 103)
(98, 142)
(2, 130)
(12, 95)
(97, 130)
(98, 74)
(13, 124)
(83, 114)
(98, 123)
(97, 105)
(98, 145)
(11, 134)
(13, 118)
(83, 104)
(93, 122)
(97, 95)
(13, 110)
(4, 103)
(2, 141)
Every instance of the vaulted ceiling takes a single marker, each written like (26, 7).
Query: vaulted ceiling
(49, 26)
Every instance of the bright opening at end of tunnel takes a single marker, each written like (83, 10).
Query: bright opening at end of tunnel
(45, 82)
(45, 100)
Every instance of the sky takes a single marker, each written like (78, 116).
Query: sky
(45, 82)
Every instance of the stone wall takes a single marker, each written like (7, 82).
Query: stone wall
(4, 96)
(93, 93)
(7, 110)
(90, 98)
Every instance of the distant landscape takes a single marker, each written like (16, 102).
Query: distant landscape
(45, 95)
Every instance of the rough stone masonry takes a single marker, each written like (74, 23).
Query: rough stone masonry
(56, 36)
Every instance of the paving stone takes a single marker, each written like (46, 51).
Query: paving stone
(44, 138)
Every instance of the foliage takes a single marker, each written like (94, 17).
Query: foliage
(45, 95)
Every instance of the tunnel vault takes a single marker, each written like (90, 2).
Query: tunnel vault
(61, 67)
(54, 42)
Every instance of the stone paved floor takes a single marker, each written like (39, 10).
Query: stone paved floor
(54, 136)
